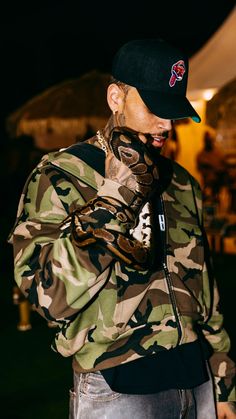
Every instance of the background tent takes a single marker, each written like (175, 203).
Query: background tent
(211, 68)
(214, 64)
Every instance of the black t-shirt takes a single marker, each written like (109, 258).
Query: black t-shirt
(180, 368)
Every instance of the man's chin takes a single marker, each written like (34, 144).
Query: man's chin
(153, 147)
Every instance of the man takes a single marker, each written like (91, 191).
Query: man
(109, 243)
(211, 163)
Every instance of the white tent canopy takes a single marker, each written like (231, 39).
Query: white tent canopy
(215, 64)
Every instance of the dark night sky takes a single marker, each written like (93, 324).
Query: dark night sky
(43, 43)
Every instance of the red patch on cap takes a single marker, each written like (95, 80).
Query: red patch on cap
(177, 72)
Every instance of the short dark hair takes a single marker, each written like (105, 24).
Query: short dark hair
(125, 87)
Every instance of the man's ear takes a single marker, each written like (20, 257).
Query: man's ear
(114, 97)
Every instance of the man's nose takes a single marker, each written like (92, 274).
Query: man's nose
(165, 124)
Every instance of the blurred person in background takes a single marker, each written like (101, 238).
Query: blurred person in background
(211, 164)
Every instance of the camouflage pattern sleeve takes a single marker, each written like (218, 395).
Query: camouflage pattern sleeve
(58, 278)
(67, 237)
(106, 221)
(223, 368)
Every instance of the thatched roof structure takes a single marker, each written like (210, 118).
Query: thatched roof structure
(221, 114)
(222, 107)
(67, 110)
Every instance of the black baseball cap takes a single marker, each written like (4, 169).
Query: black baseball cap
(159, 72)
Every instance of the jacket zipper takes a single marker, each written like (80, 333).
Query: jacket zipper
(162, 225)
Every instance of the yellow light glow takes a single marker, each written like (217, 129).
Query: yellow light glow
(209, 93)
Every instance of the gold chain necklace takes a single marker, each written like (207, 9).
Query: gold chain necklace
(102, 141)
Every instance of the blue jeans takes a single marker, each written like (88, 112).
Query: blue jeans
(92, 398)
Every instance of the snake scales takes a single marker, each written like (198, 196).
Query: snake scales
(130, 179)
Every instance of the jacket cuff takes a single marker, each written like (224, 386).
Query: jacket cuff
(223, 370)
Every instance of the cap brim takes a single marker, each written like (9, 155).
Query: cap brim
(168, 106)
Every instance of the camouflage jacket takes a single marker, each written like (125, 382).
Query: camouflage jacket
(108, 312)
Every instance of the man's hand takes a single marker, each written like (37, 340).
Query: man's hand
(226, 410)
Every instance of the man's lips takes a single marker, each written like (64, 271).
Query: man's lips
(157, 140)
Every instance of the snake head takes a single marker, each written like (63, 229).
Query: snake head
(132, 152)
(127, 146)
